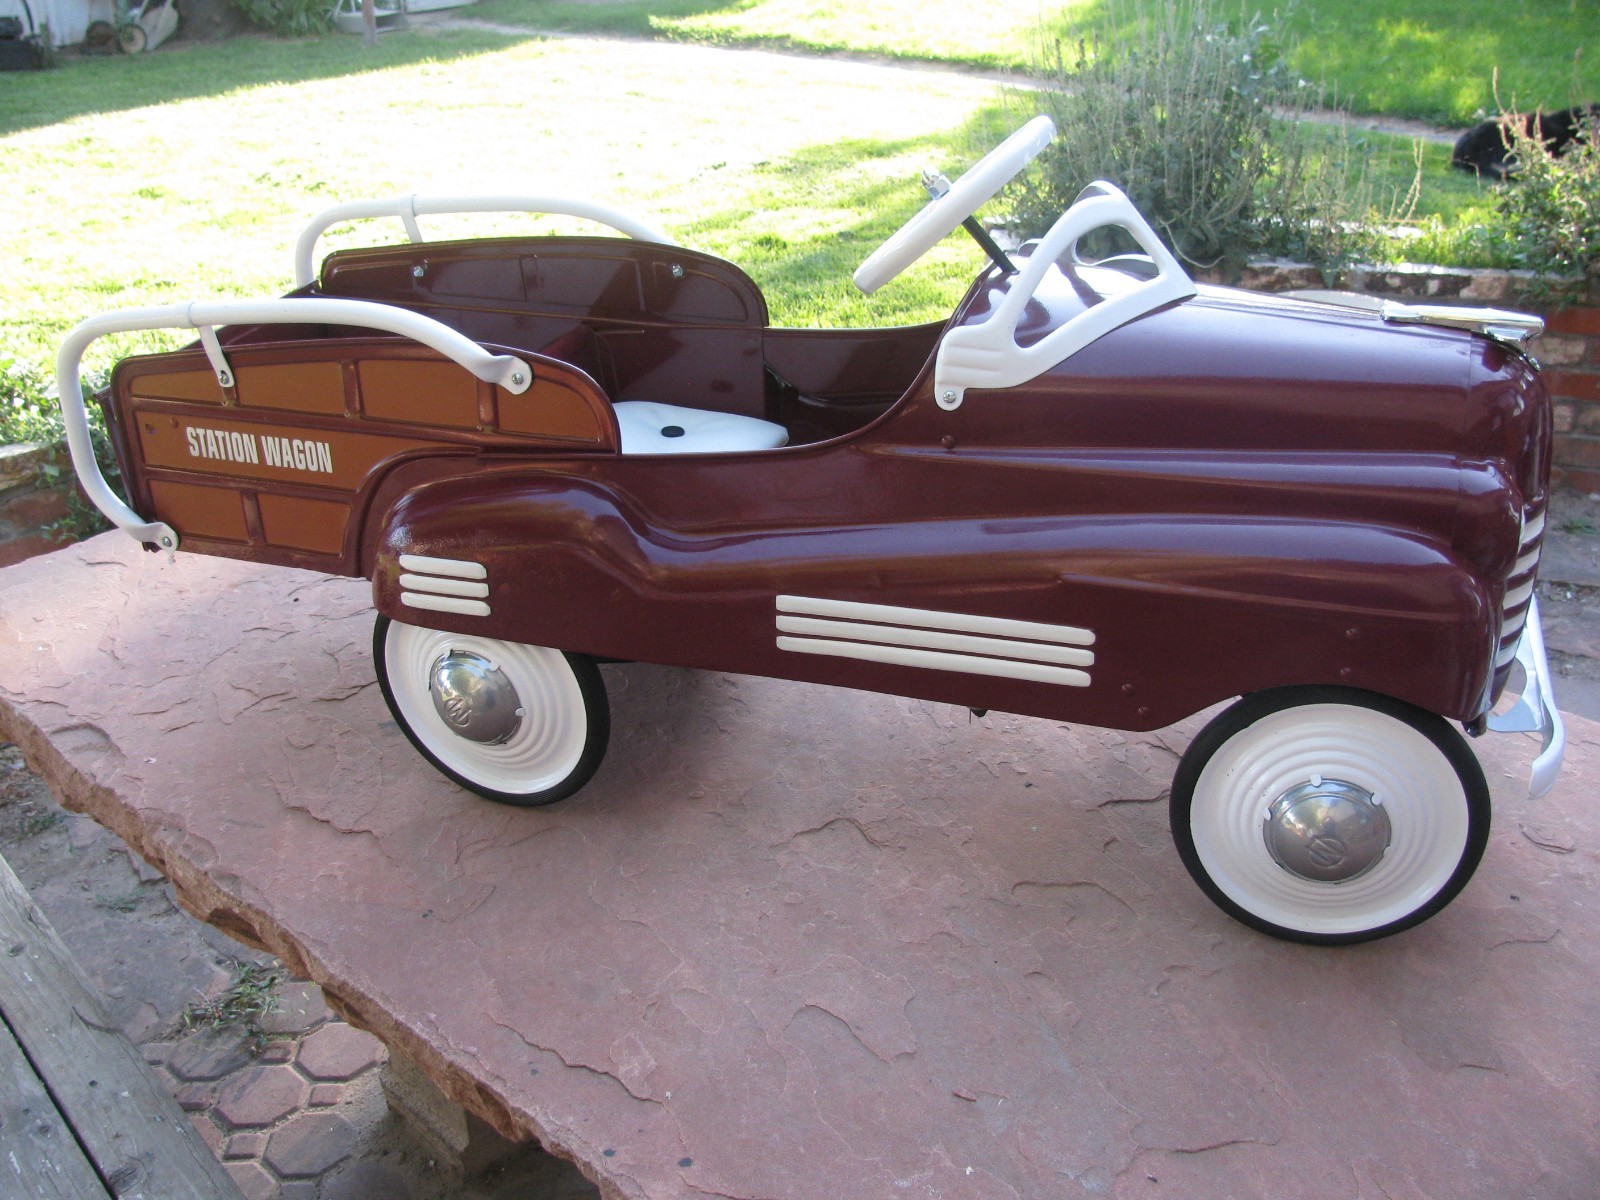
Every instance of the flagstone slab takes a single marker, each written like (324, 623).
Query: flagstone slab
(797, 942)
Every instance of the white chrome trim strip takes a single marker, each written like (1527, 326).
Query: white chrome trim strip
(927, 618)
(933, 660)
(1526, 563)
(1535, 527)
(929, 639)
(444, 587)
(456, 568)
(1516, 596)
(449, 604)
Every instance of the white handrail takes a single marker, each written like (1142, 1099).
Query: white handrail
(504, 370)
(987, 355)
(409, 207)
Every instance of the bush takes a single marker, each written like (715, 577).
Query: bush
(1549, 209)
(29, 413)
(289, 18)
(1195, 117)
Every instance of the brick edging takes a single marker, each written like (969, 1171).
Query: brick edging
(35, 482)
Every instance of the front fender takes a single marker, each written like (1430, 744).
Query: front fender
(1185, 611)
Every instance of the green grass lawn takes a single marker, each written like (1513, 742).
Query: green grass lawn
(113, 198)
(189, 172)
(1431, 59)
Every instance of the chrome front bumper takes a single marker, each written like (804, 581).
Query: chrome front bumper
(1535, 709)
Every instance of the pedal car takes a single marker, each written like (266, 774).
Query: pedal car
(1096, 494)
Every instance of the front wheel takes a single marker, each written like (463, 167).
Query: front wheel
(1329, 815)
(522, 725)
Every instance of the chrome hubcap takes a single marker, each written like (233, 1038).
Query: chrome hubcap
(474, 697)
(1327, 831)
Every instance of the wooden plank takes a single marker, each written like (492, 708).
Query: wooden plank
(38, 1156)
(132, 1131)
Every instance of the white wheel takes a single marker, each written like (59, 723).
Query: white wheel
(939, 218)
(519, 724)
(1329, 815)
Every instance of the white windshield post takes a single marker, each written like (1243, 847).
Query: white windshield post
(987, 355)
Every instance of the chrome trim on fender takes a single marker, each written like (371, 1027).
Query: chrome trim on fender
(1535, 710)
(452, 585)
(928, 618)
(937, 641)
(449, 604)
(456, 568)
(1517, 329)
(445, 587)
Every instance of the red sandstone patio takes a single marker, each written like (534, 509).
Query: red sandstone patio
(796, 942)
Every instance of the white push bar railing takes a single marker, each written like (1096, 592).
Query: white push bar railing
(504, 370)
(409, 208)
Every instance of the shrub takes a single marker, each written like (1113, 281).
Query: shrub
(1549, 209)
(289, 18)
(29, 413)
(1195, 117)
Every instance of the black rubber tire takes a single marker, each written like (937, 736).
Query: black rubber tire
(597, 729)
(1251, 710)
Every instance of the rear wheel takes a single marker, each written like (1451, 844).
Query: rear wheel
(519, 724)
(1329, 815)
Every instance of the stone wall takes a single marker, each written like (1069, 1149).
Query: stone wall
(1569, 351)
(35, 483)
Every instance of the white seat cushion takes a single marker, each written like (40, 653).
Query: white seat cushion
(651, 428)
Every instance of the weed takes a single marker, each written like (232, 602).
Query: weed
(126, 902)
(1550, 207)
(1195, 117)
(1579, 525)
(288, 18)
(251, 996)
(40, 820)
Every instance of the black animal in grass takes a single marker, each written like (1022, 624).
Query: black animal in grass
(1483, 149)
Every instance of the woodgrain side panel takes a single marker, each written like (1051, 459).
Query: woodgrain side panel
(419, 393)
(210, 512)
(195, 387)
(302, 524)
(308, 387)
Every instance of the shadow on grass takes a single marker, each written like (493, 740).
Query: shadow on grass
(628, 18)
(666, 22)
(807, 277)
(186, 71)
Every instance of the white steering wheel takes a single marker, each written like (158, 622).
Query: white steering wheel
(939, 217)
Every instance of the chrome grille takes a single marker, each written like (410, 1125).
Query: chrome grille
(1519, 585)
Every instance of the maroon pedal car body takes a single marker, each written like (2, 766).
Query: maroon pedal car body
(1334, 513)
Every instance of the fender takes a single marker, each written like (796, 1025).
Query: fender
(1181, 612)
